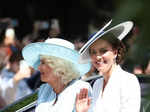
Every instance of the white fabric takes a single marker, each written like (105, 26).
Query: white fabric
(121, 94)
(66, 100)
(61, 42)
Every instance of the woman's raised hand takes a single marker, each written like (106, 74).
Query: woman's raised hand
(83, 101)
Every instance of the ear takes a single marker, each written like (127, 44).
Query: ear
(115, 53)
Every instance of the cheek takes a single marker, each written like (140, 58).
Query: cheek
(45, 77)
(93, 58)
(45, 71)
(109, 56)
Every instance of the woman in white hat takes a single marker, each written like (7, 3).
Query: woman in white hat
(118, 90)
(58, 64)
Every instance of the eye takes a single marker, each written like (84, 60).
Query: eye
(92, 52)
(42, 62)
(102, 51)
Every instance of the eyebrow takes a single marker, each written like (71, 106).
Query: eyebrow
(99, 48)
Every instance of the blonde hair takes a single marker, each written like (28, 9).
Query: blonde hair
(61, 68)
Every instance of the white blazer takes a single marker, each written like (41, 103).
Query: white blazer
(121, 94)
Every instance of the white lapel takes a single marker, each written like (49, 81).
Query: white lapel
(111, 94)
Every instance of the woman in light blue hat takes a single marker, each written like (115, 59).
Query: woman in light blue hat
(58, 64)
(118, 90)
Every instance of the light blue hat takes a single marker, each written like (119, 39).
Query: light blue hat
(54, 47)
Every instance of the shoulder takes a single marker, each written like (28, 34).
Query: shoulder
(130, 90)
(126, 76)
(77, 86)
(81, 84)
(129, 81)
(98, 82)
(44, 88)
(45, 93)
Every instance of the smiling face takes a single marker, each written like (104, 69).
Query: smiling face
(102, 55)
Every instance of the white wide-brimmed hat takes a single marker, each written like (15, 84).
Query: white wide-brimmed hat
(53, 47)
(119, 31)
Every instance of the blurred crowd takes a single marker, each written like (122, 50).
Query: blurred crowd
(17, 79)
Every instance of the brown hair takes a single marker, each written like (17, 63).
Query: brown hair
(116, 45)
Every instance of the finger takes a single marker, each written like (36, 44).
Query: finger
(77, 101)
(81, 94)
(85, 93)
(77, 97)
(89, 101)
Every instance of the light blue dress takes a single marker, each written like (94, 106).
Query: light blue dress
(66, 99)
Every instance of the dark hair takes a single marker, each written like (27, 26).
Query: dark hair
(15, 57)
(3, 57)
(116, 45)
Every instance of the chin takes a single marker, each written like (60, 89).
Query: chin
(43, 79)
(101, 70)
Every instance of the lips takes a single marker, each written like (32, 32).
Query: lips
(100, 63)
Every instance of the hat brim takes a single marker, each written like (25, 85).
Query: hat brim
(31, 54)
(119, 31)
(94, 36)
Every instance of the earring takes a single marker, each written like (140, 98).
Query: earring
(115, 58)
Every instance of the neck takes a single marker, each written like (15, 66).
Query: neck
(58, 87)
(109, 73)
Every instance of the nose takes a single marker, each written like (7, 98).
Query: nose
(39, 67)
(98, 57)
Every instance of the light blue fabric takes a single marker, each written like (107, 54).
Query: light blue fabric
(32, 52)
(66, 99)
(45, 94)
